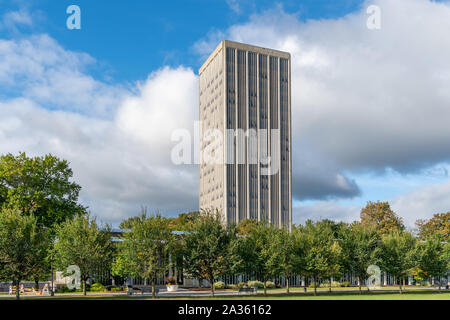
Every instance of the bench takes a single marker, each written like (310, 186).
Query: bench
(143, 290)
(248, 291)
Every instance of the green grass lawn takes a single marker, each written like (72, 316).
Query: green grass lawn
(421, 295)
(379, 295)
(325, 289)
(279, 294)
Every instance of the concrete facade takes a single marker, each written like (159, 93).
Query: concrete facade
(245, 95)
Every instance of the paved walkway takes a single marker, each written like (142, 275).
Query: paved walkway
(183, 292)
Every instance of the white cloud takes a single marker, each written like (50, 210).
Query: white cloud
(39, 69)
(362, 100)
(420, 203)
(331, 210)
(423, 202)
(234, 5)
(12, 20)
(166, 102)
(117, 140)
(365, 99)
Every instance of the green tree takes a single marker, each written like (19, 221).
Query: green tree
(380, 216)
(183, 221)
(433, 257)
(23, 244)
(258, 254)
(246, 226)
(359, 250)
(418, 274)
(128, 223)
(145, 250)
(438, 224)
(120, 265)
(81, 242)
(285, 254)
(397, 254)
(322, 251)
(299, 248)
(41, 265)
(39, 186)
(207, 247)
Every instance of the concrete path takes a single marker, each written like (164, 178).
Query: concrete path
(183, 292)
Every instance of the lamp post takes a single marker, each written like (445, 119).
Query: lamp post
(52, 292)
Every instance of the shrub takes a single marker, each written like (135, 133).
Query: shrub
(240, 285)
(326, 284)
(255, 284)
(115, 289)
(64, 290)
(335, 284)
(346, 284)
(219, 285)
(97, 287)
(270, 284)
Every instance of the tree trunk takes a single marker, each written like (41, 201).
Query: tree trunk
(315, 285)
(329, 286)
(17, 282)
(439, 288)
(211, 283)
(36, 283)
(359, 285)
(265, 287)
(84, 287)
(153, 289)
(400, 287)
(287, 284)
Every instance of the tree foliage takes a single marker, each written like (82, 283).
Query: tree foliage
(438, 224)
(286, 254)
(145, 250)
(183, 221)
(245, 226)
(40, 186)
(359, 250)
(81, 242)
(396, 254)
(23, 246)
(207, 247)
(380, 216)
(257, 252)
(322, 251)
(434, 257)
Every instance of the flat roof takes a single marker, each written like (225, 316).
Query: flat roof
(243, 46)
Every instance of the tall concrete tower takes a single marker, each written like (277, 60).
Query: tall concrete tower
(245, 96)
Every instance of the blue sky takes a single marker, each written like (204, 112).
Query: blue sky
(369, 107)
(134, 38)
